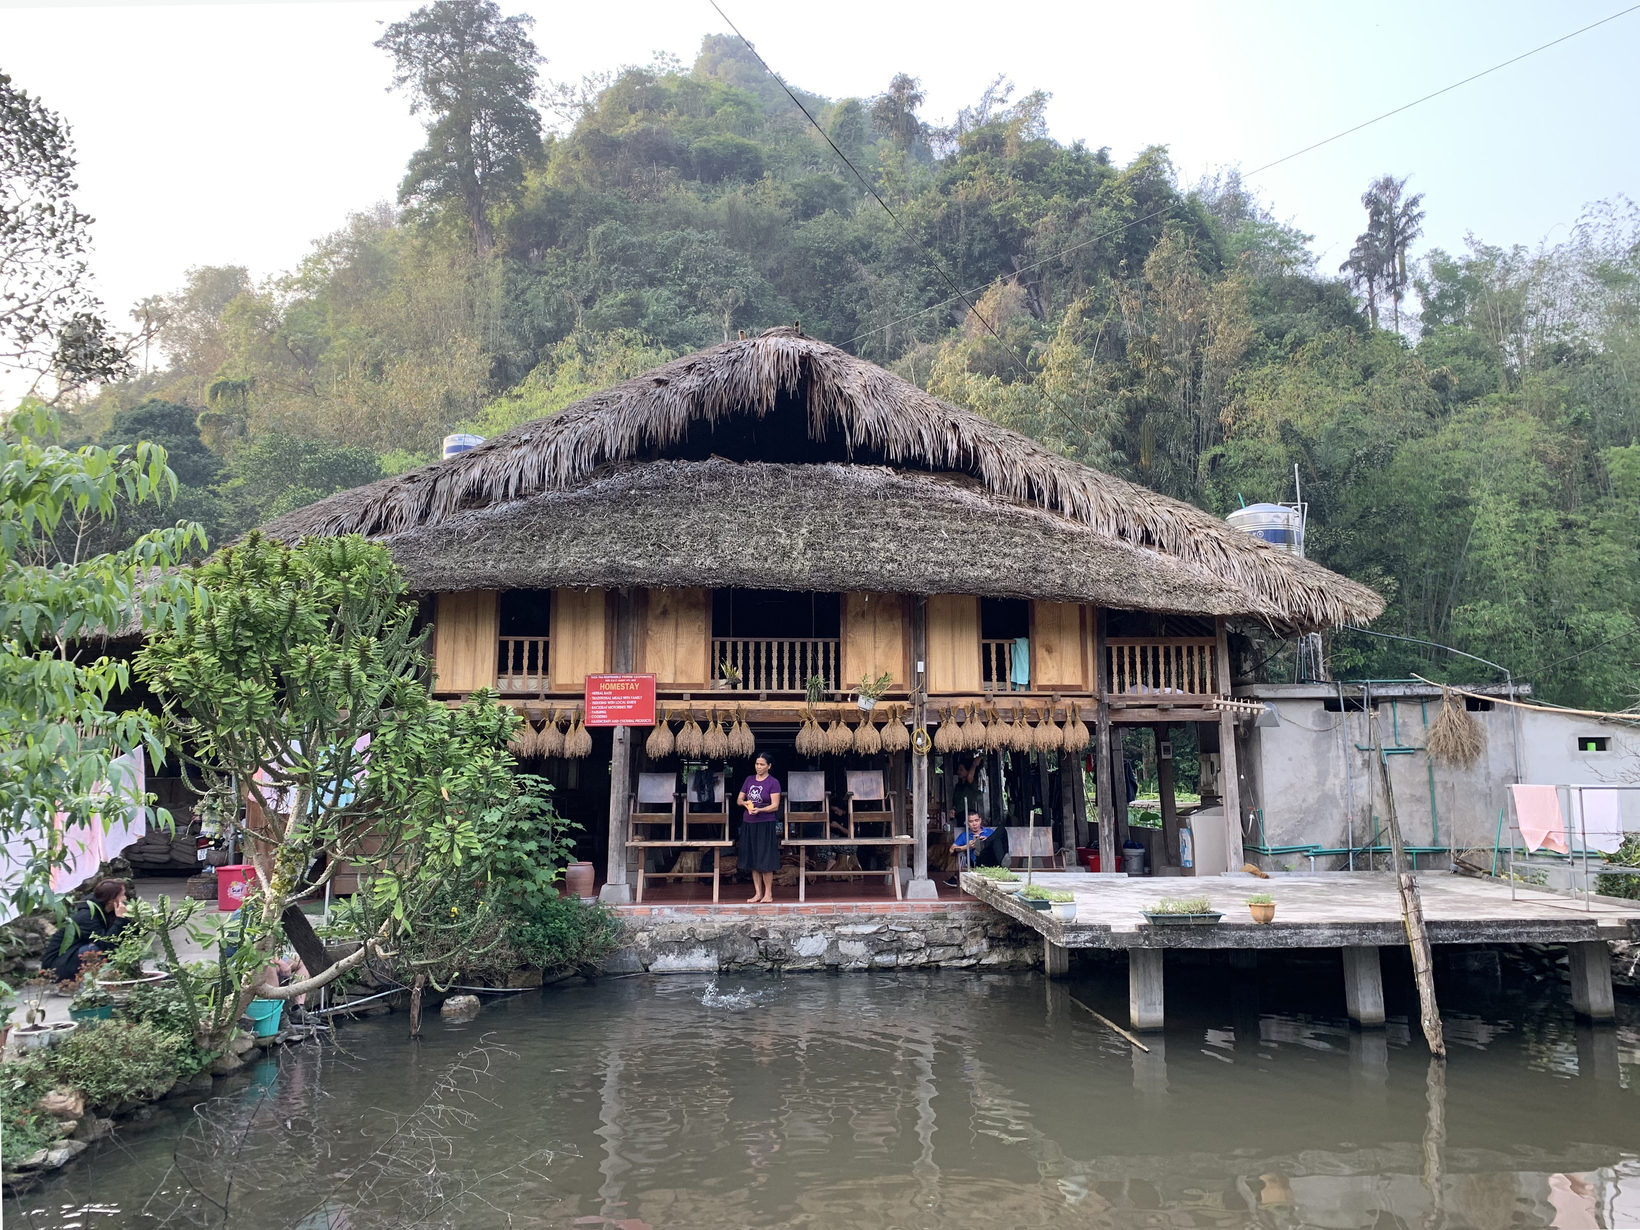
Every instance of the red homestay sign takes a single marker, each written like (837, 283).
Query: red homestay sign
(620, 700)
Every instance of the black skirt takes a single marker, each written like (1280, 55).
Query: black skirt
(759, 845)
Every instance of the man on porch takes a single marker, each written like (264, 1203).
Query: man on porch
(979, 846)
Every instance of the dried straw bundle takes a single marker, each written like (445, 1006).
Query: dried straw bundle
(1455, 737)
(1019, 734)
(996, 732)
(660, 742)
(868, 740)
(550, 741)
(522, 743)
(690, 739)
(578, 742)
(978, 733)
(946, 736)
(839, 738)
(715, 744)
(1076, 731)
(1047, 737)
(896, 738)
(811, 740)
(741, 740)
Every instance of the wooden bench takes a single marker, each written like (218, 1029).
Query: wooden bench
(663, 818)
(868, 806)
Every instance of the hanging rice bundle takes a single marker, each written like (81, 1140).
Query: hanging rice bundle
(978, 732)
(660, 742)
(716, 742)
(946, 733)
(550, 741)
(1019, 734)
(996, 734)
(522, 743)
(811, 740)
(578, 742)
(896, 738)
(1455, 737)
(868, 740)
(690, 739)
(1076, 732)
(741, 740)
(1046, 737)
(839, 738)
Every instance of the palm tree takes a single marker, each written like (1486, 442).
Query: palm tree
(1395, 222)
(1366, 269)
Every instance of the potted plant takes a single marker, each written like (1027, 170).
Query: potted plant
(124, 968)
(872, 690)
(1061, 902)
(92, 1003)
(1263, 907)
(36, 1031)
(1181, 911)
(728, 677)
(8, 1000)
(814, 689)
(999, 878)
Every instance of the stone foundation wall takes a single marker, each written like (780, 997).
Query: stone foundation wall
(700, 943)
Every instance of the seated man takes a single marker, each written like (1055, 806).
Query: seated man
(978, 846)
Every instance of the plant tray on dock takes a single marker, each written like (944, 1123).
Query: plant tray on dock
(1183, 920)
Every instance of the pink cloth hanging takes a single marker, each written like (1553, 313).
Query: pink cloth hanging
(1537, 808)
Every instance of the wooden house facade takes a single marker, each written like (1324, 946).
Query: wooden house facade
(774, 516)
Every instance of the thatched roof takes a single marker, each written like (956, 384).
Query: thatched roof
(790, 400)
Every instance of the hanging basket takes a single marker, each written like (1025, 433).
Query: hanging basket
(660, 743)
(691, 739)
(549, 741)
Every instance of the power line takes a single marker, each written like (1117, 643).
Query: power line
(934, 256)
(1256, 170)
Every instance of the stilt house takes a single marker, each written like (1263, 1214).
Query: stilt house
(773, 518)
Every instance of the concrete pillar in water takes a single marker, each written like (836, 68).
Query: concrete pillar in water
(1145, 988)
(1591, 962)
(1364, 986)
(1056, 959)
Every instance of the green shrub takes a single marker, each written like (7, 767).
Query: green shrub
(1628, 854)
(994, 873)
(24, 1130)
(1261, 899)
(118, 1061)
(565, 933)
(1037, 893)
(166, 1007)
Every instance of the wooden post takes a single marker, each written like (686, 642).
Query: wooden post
(921, 887)
(1229, 772)
(1412, 909)
(616, 890)
(1101, 744)
(1072, 767)
(1164, 787)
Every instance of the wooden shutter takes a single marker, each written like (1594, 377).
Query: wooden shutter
(677, 643)
(1057, 658)
(580, 638)
(953, 643)
(464, 641)
(874, 638)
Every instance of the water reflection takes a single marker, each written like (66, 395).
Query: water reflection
(928, 1100)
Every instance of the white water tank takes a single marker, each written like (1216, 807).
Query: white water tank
(459, 443)
(1280, 525)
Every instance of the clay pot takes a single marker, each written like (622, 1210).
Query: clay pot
(1263, 912)
(579, 880)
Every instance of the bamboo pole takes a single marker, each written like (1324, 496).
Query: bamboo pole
(1412, 909)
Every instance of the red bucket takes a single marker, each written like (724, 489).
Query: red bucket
(231, 883)
(1088, 856)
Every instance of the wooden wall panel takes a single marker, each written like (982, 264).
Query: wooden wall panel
(875, 635)
(464, 641)
(1057, 647)
(953, 643)
(580, 638)
(677, 637)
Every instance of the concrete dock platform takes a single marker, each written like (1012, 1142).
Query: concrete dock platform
(1355, 912)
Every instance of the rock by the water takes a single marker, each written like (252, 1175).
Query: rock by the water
(459, 1008)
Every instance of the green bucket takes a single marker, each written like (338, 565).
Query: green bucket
(265, 1013)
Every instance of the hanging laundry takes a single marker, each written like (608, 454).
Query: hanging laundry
(1602, 819)
(1019, 664)
(1537, 809)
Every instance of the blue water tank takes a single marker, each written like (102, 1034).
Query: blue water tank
(459, 443)
(1280, 525)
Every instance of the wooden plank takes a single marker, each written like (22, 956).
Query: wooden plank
(1229, 771)
(1102, 750)
(616, 890)
(874, 638)
(1056, 646)
(579, 638)
(953, 643)
(464, 644)
(677, 637)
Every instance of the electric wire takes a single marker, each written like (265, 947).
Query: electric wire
(1150, 217)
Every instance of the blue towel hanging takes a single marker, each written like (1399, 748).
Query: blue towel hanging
(1019, 673)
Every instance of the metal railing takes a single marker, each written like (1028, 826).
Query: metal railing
(1158, 665)
(996, 665)
(521, 666)
(778, 664)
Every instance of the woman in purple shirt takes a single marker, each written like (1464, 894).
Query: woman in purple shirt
(759, 835)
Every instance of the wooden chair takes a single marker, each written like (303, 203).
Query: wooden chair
(654, 824)
(869, 805)
(1026, 843)
(698, 814)
(805, 808)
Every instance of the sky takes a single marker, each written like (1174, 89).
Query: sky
(241, 133)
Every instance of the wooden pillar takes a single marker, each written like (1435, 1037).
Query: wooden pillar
(1229, 772)
(1164, 787)
(1102, 750)
(921, 887)
(1071, 766)
(616, 890)
(1056, 959)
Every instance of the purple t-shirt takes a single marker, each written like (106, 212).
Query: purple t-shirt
(759, 794)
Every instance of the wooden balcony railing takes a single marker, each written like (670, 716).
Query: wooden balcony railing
(996, 665)
(1156, 665)
(782, 664)
(521, 666)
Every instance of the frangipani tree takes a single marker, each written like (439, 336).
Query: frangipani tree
(60, 729)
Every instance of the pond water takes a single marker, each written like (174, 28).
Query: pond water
(927, 1100)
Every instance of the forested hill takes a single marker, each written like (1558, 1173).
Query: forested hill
(1464, 425)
